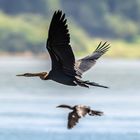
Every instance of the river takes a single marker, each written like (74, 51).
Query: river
(28, 105)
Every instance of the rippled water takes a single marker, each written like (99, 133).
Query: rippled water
(28, 105)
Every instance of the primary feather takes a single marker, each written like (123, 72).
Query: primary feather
(84, 64)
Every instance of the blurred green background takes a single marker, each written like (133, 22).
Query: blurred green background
(24, 25)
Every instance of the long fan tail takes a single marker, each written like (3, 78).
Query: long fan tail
(87, 83)
(95, 113)
(81, 83)
(95, 84)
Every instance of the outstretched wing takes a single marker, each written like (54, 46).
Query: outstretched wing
(58, 44)
(84, 64)
(73, 119)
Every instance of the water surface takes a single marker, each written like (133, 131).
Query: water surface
(28, 105)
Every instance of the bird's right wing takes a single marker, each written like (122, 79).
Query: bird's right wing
(58, 44)
(72, 119)
(84, 64)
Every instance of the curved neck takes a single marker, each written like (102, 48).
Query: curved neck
(66, 106)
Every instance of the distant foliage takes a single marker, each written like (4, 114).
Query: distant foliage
(24, 23)
(23, 6)
(106, 18)
(20, 34)
(97, 17)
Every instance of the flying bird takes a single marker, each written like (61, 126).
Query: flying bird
(78, 112)
(65, 69)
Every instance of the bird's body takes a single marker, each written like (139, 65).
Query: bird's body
(65, 69)
(79, 111)
(60, 77)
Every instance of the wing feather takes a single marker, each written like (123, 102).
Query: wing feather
(73, 119)
(84, 64)
(58, 44)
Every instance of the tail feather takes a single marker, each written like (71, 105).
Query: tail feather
(81, 83)
(87, 83)
(95, 113)
(95, 84)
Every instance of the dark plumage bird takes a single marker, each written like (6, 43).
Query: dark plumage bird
(79, 111)
(65, 69)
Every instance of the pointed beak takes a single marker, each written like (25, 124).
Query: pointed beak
(20, 75)
(26, 75)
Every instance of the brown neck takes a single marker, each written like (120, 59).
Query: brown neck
(42, 75)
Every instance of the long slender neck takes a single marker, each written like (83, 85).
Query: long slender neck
(42, 75)
(66, 106)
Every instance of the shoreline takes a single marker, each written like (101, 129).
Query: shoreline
(24, 54)
(46, 56)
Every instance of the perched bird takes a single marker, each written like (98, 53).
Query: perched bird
(65, 69)
(79, 111)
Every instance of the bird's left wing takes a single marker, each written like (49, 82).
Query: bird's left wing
(84, 64)
(72, 119)
(58, 44)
